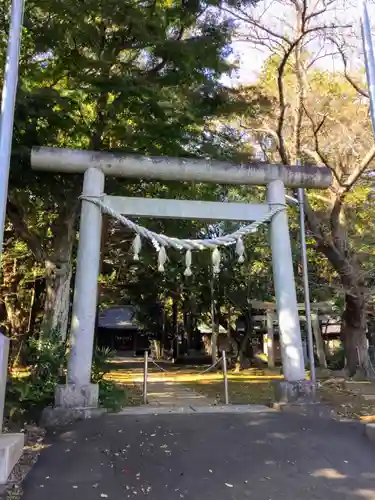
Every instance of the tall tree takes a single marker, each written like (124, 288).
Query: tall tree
(320, 117)
(140, 77)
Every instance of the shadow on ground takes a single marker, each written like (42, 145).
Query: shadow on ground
(264, 457)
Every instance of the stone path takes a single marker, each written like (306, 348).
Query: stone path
(264, 456)
(162, 390)
(172, 394)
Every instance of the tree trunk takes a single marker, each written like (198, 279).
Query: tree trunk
(57, 302)
(36, 304)
(14, 301)
(319, 342)
(353, 333)
(58, 278)
(240, 363)
(337, 251)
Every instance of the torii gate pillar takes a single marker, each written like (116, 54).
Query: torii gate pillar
(294, 387)
(80, 392)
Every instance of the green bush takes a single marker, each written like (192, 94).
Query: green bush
(28, 395)
(100, 363)
(46, 363)
(112, 396)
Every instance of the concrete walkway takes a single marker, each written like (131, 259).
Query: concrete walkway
(263, 456)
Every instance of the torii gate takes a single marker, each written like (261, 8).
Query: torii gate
(79, 391)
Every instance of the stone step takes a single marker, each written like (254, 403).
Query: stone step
(11, 448)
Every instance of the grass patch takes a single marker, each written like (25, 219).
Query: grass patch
(240, 391)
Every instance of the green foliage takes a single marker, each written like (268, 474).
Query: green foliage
(28, 395)
(139, 77)
(100, 363)
(112, 396)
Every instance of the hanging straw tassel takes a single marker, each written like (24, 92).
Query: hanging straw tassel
(240, 250)
(216, 258)
(137, 246)
(162, 259)
(188, 260)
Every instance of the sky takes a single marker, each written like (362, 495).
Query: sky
(277, 15)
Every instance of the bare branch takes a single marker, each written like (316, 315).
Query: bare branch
(318, 154)
(242, 16)
(359, 169)
(354, 84)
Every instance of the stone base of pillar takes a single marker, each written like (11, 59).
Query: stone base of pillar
(11, 448)
(77, 396)
(300, 392)
(73, 402)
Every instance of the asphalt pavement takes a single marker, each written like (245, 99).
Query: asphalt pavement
(262, 456)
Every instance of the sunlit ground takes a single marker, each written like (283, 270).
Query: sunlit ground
(133, 394)
(186, 377)
(246, 391)
(253, 386)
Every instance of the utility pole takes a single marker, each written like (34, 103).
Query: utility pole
(8, 101)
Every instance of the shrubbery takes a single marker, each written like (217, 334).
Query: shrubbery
(31, 390)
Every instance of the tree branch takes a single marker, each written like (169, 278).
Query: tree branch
(359, 169)
(355, 85)
(17, 218)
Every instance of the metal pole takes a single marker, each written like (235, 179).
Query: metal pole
(145, 376)
(368, 50)
(306, 289)
(7, 106)
(226, 392)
